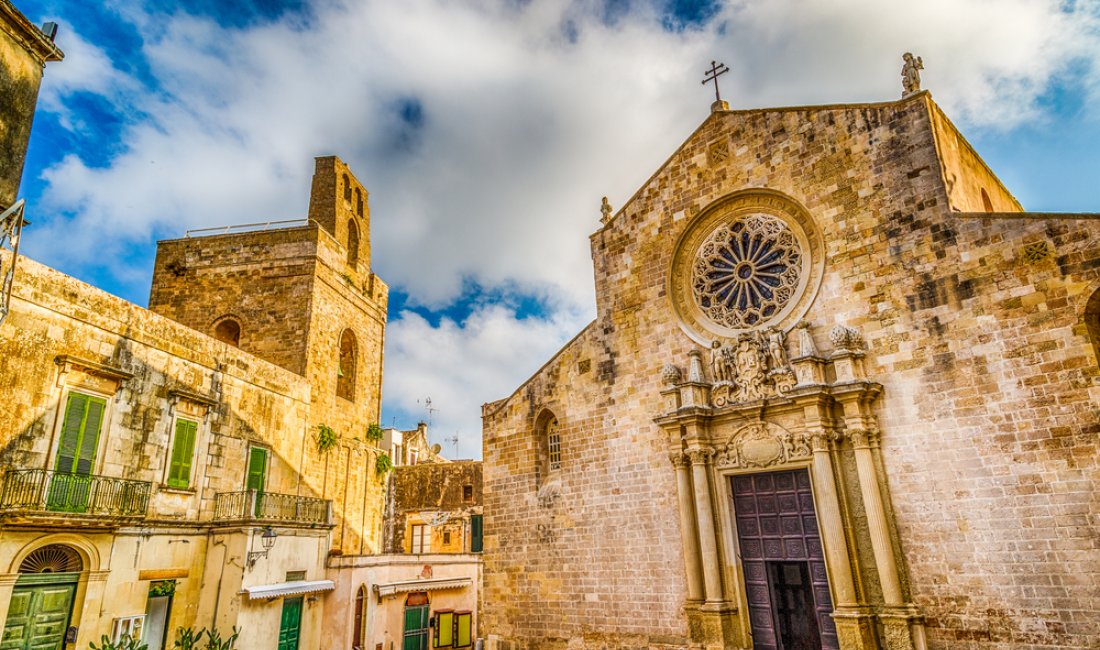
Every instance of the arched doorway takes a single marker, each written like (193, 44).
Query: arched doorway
(42, 602)
(416, 622)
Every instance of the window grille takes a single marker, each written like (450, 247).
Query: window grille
(553, 444)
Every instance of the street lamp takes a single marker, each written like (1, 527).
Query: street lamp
(267, 539)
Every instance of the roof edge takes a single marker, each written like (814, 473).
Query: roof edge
(33, 38)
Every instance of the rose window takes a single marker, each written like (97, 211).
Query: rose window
(746, 271)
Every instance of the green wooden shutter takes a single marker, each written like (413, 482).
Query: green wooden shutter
(257, 469)
(183, 450)
(69, 446)
(76, 451)
(475, 533)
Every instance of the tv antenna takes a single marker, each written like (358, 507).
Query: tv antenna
(429, 409)
(454, 442)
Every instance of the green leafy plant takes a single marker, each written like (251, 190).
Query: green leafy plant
(374, 432)
(348, 280)
(214, 640)
(127, 642)
(383, 465)
(326, 437)
(187, 638)
(162, 588)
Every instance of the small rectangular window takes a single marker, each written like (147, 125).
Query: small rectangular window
(467, 493)
(446, 537)
(463, 629)
(295, 576)
(183, 451)
(421, 539)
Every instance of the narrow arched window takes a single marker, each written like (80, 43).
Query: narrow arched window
(987, 205)
(347, 188)
(345, 373)
(1092, 322)
(353, 243)
(357, 641)
(358, 202)
(553, 444)
(228, 331)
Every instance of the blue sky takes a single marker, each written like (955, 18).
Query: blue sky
(487, 131)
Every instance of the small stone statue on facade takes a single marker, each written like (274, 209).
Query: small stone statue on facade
(605, 211)
(910, 74)
(777, 348)
(719, 362)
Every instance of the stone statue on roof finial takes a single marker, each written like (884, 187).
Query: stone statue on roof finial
(605, 211)
(910, 74)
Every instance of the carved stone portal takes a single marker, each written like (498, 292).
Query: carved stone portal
(753, 367)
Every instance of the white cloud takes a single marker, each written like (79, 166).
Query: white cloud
(460, 367)
(523, 131)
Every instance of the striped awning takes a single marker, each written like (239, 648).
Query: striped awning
(392, 588)
(294, 588)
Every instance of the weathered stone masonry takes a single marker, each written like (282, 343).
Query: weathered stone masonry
(966, 471)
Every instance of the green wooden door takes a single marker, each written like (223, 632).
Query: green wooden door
(76, 451)
(38, 617)
(257, 475)
(416, 627)
(290, 626)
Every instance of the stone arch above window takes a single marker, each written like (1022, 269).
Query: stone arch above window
(345, 372)
(1092, 322)
(353, 243)
(228, 330)
(548, 444)
(347, 188)
(361, 600)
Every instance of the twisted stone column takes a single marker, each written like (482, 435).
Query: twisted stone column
(688, 529)
(704, 511)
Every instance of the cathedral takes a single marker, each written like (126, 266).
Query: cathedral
(840, 392)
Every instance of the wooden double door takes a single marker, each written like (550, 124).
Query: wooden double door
(38, 616)
(783, 562)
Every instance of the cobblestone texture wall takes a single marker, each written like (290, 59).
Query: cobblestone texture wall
(989, 417)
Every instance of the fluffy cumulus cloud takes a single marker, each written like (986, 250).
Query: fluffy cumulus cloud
(487, 131)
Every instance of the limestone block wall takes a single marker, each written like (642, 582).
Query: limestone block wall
(252, 401)
(427, 491)
(263, 280)
(24, 51)
(988, 411)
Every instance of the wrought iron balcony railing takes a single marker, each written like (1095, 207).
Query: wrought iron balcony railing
(45, 491)
(251, 505)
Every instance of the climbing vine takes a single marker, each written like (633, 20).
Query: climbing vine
(326, 437)
(383, 465)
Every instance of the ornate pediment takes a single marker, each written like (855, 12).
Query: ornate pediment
(762, 444)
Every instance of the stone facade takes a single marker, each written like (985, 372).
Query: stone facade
(931, 370)
(24, 52)
(145, 522)
(440, 497)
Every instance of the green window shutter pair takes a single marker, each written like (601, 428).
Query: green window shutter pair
(183, 451)
(76, 451)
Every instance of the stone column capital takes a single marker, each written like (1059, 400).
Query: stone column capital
(863, 438)
(678, 459)
(821, 440)
(700, 455)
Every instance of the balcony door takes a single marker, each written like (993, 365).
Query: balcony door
(257, 475)
(70, 486)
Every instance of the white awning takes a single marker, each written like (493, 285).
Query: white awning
(295, 588)
(422, 585)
